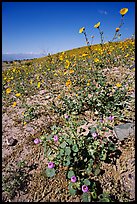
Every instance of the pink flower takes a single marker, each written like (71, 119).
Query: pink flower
(73, 179)
(111, 118)
(55, 138)
(66, 116)
(84, 188)
(94, 134)
(37, 141)
(51, 165)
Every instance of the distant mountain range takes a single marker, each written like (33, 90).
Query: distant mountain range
(12, 57)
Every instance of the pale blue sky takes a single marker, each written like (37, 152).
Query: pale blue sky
(54, 26)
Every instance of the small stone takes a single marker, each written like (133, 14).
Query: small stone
(48, 97)
(124, 130)
(29, 129)
(11, 141)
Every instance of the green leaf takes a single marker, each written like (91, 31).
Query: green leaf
(70, 141)
(72, 191)
(96, 143)
(97, 171)
(49, 152)
(67, 150)
(50, 172)
(92, 130)
(62, 145)
(75, 148)
(71, 173)
(94, 195)
(67, 163)
(103, 155)
(61, 152)
(111, 147)
(86, 182)
(86, 197)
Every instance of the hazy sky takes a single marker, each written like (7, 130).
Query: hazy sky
(54, 26)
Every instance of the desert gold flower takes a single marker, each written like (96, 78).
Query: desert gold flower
(97, 25)
(55, 74)
(17, 94)
(59, 96)
(14, 104)
(88, 84)
(81, 30)
(84, 55)
(67, 63)
(61, 57)
(38, 85)
(118, 85)
(126, 55)
(71, 71)
(96, 60)
(117, 29)
(31, 81)
(68, 82)
(123, 11)
(8, 90)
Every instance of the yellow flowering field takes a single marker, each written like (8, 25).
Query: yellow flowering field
(62, 110)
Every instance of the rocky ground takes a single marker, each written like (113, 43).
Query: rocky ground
(33, 185)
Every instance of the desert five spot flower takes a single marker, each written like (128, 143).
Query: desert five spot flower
(73, 179)
(55, 138)
(84, 188)
(51, 165)
(37, 141)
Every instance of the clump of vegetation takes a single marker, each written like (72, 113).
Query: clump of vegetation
(79, 80)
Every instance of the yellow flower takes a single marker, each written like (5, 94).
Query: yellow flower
(81, 30)
(84, 55)
(25, 123)
(38, 85)
(96, 60)
(14, 104)
(31, 81)
(17, 94)
(126, 55)
(118, 85)
(97, 25)
(117, 29)
(88, 84)
(123, 11)
(59, 96)
(68, 82)
(77, 95)
(8, 90)
(55, 74)
(71, 71)
(61, 57)
(67, 63)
